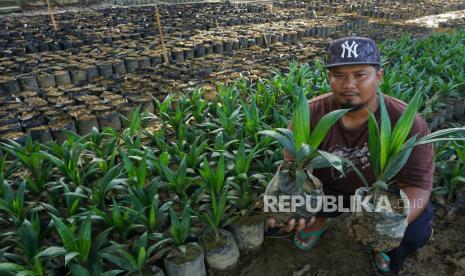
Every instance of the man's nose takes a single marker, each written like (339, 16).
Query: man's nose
(349, 83)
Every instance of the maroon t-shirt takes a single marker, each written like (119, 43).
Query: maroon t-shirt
(353, 145)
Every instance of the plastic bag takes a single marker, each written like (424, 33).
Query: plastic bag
(382, 229)
(283, 187)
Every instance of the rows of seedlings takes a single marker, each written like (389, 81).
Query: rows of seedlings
(51, 111)
(87, 89)
(145, 2)
(82, 108)
(63, 108)
(425, 65)
(386, 9)
(379, 9)
(449, 180)
(78, 93)
(34, 34)
(126, 55)
(86, 28)
(380, 30)
(177, 195)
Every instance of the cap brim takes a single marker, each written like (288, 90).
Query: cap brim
(351, 63)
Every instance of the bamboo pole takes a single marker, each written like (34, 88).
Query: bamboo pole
(51, 15)
(157, 16)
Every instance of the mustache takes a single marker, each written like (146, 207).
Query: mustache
(350, 93)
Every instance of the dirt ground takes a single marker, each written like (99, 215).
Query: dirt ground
(335, 254)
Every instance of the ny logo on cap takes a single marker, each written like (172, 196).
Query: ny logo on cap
(352, 49)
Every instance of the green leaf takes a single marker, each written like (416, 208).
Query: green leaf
(404, 124)
(53, 251)
(303, 154)
(56, 161)
(442, 135)
(334, 160)
(65, 233)
(374, 145)
(128, 257)
(134, 125)
(12, 267)
(130, 169)
(78, 270)
(119, 262)
(141, 257)
(240, 162)
(101, 240)
(288, 133)
(113, 272)
(397, 161)
(69, 256)
(29, 239)
(385, 133)
(301, 122)
(323, 126)
(283, 140)
(85, 238)
(220, 174)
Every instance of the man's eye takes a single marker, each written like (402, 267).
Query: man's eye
(361, 75)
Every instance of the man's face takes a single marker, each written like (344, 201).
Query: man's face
(354, 86)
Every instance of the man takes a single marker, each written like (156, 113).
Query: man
(355, 74)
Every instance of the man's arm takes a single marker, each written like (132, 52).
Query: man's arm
(418, 200)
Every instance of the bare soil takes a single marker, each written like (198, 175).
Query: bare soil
(335, 254)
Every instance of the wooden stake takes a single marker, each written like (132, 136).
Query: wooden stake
(51, 16)
(157, 16)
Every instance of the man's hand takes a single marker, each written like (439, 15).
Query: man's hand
(418, 200)
(291, 225)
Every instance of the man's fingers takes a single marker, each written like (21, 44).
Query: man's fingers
(301, 224)
(311, 221)
(271, 222)
(290, 225)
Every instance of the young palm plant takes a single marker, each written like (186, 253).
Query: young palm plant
(76, 245)
(296, 178)
(135, 259)
(389, 151)
(29, 261)
(13, 203)
(137, 173)
(122, 219)
(178, 181)
(180, 228)
(29, 156)
(68, 159)
(184, 258)
(146, 203)
(215, 214)
(244, 197)
(456, 173)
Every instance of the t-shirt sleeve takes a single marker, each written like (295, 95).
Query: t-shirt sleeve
(419, 169)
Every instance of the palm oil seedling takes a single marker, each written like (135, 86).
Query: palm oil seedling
(295, 177)
(390, 149)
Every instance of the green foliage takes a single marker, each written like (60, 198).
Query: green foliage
(96, 204)
(390, 149)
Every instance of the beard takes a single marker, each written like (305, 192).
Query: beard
(352, 106)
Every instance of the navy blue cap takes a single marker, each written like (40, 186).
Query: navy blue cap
(353, 50)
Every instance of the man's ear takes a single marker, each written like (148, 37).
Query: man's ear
(379, 76)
